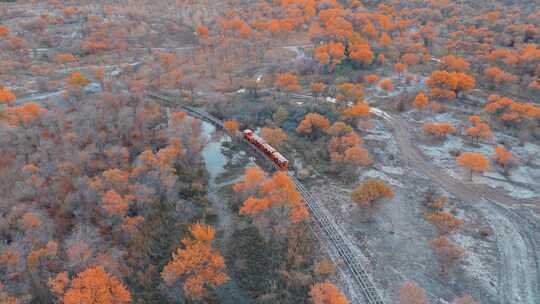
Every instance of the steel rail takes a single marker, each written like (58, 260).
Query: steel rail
(322, 220)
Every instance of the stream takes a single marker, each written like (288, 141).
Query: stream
(213, 157)
(215, 162)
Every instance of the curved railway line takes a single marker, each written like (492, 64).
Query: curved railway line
(324, 226)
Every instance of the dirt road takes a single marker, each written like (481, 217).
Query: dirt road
(516, 234)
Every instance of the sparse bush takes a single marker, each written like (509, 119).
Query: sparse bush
(454, 152)
(324, 269)
(485, 232)
(369, 192)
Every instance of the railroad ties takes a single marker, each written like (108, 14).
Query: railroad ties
(331, 231)
(324, 224)
(168, 101)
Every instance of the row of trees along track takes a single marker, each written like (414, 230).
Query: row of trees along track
(324, 225)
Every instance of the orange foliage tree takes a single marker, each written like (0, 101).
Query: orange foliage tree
(330, 54)
(504, 158)
(116, 177)
(369, 192)
(478, 130)
(387, 85)
(475, 162)
(497, 76)
(313, 124)
(400, 68)
(410, 59)
(455, 64)
(30, 220)
(534, 85)
(349, 91)
(96, 41)
(115, 204)
(370, 30)
(410, 293)
(420, 101)
(24, 114)
(361, 52)
(445, 222)
(6, 96)
(324, 268)
(279, 194)
(447, 85)
(198, 263)
(232, 126)
(69, 11)
(439, 130)
(4, 31)
(288, 82)
(465, 83)
(357, 155)
(447, 252)
(99, 75)
(327, 293)
(346, 149)
(511, 112)
(253, 179)
(76, 79)
(371, 78)
(442, 85)
(59, 283)
(359, 109)
(202, 31)
(318, 88)
(275, 137)
(166, 60)
(385, 40)
(65, 58)
(340, 129)
(94, 285)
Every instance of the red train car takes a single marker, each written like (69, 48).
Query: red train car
(267, 149)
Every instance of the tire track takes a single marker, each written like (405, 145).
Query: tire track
(517, 237)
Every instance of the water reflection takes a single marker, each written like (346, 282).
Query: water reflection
(212, 154)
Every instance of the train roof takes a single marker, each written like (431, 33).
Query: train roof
(268, 147)
(280, 157)
(258, 139)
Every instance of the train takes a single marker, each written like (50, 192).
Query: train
(260, 144)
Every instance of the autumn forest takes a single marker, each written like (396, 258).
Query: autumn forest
(269, 151)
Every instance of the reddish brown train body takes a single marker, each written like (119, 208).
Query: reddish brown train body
(281, 162)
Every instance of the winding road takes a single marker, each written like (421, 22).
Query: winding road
(516, 234)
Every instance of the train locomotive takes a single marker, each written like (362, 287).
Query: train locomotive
(260, 144)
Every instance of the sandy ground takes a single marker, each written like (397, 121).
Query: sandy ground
(502, 268)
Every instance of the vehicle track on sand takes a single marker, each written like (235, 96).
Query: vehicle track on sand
(516, 235)
(517, 244)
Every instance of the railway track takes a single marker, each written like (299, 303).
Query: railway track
(325, 226)
(331, 231)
